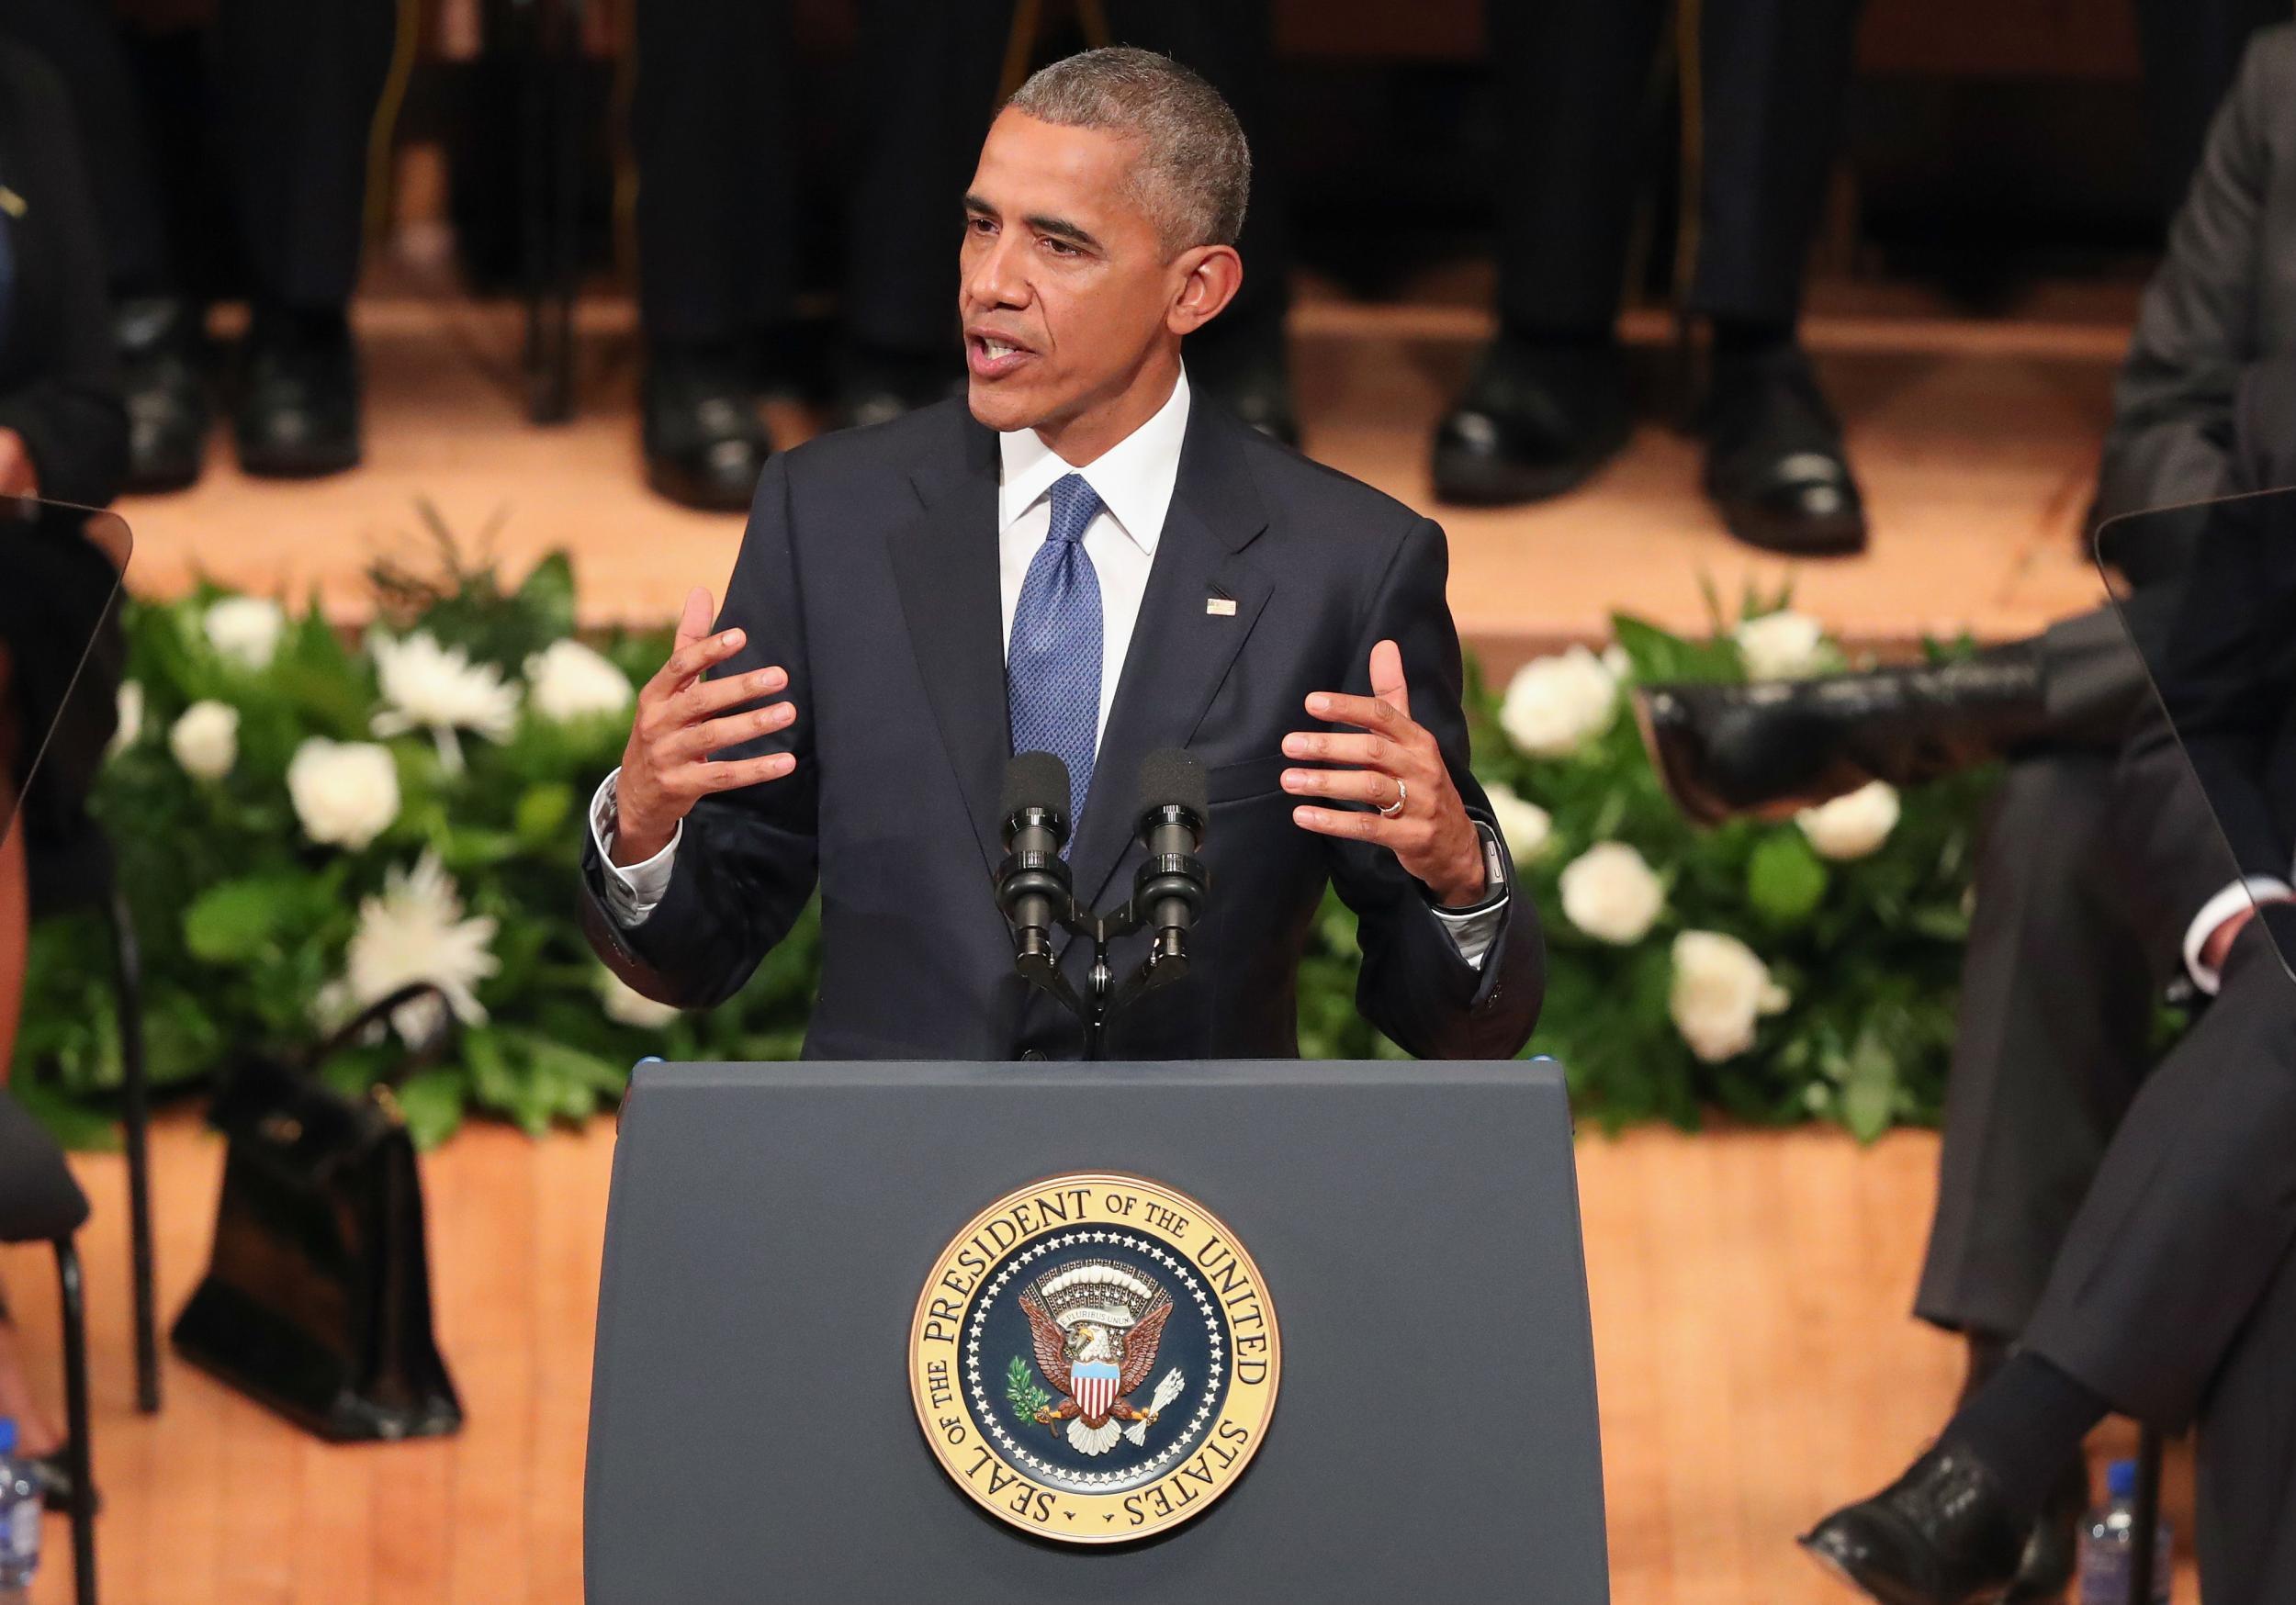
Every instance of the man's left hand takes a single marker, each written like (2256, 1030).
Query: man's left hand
(1394, 759)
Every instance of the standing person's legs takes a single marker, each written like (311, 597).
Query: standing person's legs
(297, 82)
(1547, 404)
(716, 204)
(2192, 51)
(1774, 86)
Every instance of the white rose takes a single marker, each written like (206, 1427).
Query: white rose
(245, 630)
(1610, 894)
(568, 681)
(1720, 990)
(1555, 705)
(205, 740)
(129, 730)
(1526, 827)
(346, 793)
(1782, 646)
(628, 1006)
(1854, 825)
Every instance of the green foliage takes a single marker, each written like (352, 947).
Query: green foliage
(247, 924)
(1022, 1393)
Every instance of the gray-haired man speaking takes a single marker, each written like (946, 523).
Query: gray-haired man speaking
(1086, 560)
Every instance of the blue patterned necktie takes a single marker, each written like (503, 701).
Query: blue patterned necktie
(1053, 663)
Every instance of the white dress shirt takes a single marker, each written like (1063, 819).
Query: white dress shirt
(1134, 480)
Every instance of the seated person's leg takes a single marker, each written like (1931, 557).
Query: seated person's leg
(2245, 1526)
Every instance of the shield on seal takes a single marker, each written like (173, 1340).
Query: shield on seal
(1094, 1383)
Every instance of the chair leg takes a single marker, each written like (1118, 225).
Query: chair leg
(2146, 1515)
(136, 1125)
(78, 1421)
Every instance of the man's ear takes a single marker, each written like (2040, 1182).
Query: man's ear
(1210, 276)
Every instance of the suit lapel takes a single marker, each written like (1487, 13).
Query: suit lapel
(1180, 651)
(944, 566)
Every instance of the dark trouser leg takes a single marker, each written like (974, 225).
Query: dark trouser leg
(298, 81)
(710, 127)
(931, 69)
(2193, 1209)
(81, 39)
(1575, 82)
(2192, 51)
(2056, 1006)
(1775, 83)
(2247, 1516)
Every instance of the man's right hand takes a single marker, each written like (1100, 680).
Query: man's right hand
(681, 719)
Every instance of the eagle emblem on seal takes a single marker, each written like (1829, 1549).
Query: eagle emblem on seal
(1095, 1325)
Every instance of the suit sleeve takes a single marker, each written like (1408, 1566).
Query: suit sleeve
(1414, 984)
(748, 860)
(2171, 435)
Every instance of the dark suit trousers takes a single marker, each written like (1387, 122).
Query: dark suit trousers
(294, 84)
(2192, 51)
(1576, 79)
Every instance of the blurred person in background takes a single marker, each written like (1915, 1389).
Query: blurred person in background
(2069, 944)
(718, 207)
(287, 91)
(63, 435)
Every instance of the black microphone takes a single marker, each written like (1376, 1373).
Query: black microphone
(1168, 891)
(1033, 883)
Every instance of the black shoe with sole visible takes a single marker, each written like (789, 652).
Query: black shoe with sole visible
(705, 441)
(159, 345)
(876, 386)
(1942, 1535)
(299, 405)
(1536, 421)
(1775, 466)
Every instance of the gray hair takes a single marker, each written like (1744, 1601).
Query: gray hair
(1193, 172)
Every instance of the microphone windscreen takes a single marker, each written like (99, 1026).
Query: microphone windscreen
(1173, 778)
(1035, 780)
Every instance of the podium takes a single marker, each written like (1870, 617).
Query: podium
(752, 1434)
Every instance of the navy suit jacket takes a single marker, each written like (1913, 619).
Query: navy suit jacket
(869, 571)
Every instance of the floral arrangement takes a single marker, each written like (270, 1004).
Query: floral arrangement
(306, 823)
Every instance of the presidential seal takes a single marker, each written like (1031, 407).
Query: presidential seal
(1094, 1358)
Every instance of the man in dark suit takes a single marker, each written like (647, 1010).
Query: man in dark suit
(1085, 559)
(2173, 1299)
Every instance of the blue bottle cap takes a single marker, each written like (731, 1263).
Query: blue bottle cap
(7, 1436)
(2121, 1479)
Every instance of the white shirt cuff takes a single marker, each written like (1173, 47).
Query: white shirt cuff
(1473, 931)
(2239, 895)
(633, 891)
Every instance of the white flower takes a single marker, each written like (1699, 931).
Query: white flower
(429, 687)
(1555, 705)
(130, 728)
(415, 931)
(628, 1006)
(1619, 661)
(245, 630)
(346, 793)
(1610, 894)
(568, 681)
(205, 740)
(1783, 645)
(1720, 990)
(1854, 825)
(1525, 826)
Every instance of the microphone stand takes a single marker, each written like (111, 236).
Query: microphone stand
(1166, 963)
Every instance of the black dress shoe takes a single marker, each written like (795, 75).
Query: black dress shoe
(1942, 1535)
(1776, 746)
(159, 342)
(1774, 461)
(1535, 422)
(1256, 387)
(299, 405)
(876, 386)
(705, 442)
(2053, 1548)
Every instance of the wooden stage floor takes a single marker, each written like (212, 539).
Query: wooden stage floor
(1976, 442)
(1756, 1365)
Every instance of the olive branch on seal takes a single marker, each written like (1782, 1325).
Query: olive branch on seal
(1022, 1392)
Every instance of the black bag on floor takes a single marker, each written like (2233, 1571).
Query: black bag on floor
(317, 1300)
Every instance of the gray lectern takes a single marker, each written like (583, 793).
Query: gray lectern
(753, 1435)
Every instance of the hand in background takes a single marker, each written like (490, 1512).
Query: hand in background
(681, 720)
(17, 475)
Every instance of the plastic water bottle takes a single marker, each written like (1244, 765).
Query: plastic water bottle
(19, 1519)
(2109, 1545)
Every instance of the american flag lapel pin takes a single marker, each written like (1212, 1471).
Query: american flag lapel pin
(1219, 607)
